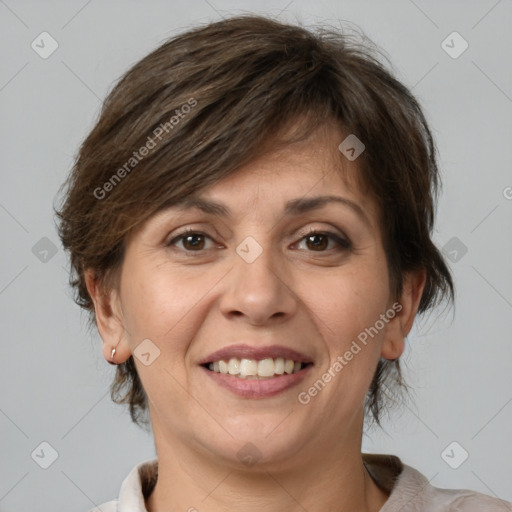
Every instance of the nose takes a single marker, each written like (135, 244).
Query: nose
(258, 292)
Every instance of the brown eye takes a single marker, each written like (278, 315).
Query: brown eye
(324, 242)
(317, 242)
(191, 241)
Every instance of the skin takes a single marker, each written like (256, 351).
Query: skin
(314, 300)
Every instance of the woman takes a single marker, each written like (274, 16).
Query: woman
(249, 226)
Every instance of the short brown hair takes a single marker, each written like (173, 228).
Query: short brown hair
(215, 98)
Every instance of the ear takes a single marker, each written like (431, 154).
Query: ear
(109, 320)
(401, 324)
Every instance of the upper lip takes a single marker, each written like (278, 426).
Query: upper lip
(243, 351)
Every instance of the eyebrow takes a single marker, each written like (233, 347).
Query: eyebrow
(292, 207)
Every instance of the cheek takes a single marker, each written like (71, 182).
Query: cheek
(146, 302)
(163, 305)
(348, 302)
(348, 308)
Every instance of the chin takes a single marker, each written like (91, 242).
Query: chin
(260, 445)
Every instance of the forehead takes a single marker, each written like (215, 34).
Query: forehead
(281, 182)
(295, 179)
(294, 174)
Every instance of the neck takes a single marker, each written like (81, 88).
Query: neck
(189, 481)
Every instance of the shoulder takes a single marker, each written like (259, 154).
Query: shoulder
(409, 490)
(470, 501)
(136, 487)
(414, 488)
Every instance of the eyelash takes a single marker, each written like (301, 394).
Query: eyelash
(344, 244)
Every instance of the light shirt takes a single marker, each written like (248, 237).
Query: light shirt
(410, 491)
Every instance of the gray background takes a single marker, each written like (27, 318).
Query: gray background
(55, 382)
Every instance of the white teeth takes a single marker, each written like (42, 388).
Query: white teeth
(223, 367)
(234, 366)
(266, 368)
(254, 369)
(279, 366)
(248, 367)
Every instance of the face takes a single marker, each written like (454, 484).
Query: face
(288, 266)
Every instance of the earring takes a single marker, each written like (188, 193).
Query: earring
(113, 354)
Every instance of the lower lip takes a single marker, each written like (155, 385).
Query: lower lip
(255, 388)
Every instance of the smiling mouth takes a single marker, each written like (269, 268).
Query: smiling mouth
(254, 369)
